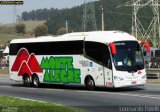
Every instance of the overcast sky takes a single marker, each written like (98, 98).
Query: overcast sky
(7, 11)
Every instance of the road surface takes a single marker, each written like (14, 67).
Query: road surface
(146, 99)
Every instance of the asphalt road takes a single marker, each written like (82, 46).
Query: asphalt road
(141, 99)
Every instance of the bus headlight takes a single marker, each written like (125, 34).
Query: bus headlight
(118, 78)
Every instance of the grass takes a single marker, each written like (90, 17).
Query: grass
(5, 38)
(10, 104)
(7, 31)
(30, 25)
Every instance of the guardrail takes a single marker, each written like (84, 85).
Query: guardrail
(153, 73)
(4, 64)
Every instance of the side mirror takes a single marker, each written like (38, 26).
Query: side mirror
(113, 48)
(146, 44)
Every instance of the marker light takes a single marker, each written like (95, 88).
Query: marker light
(146, 45)
(113, 48)
(139, 72)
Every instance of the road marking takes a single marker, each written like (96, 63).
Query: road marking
(55, 89)
(123, 94)
(28, 99)
(33, 88)
(6, 86)
(97, 92)
(30, 88)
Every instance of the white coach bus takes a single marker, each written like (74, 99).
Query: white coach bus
(108, 59)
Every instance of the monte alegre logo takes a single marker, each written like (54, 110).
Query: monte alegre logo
(56, 69)
(26, 63)
(60, 70)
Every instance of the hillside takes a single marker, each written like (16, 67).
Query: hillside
(30, 25)
(6, 38)
(7, 31)
(116, 18)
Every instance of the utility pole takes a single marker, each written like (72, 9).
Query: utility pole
(102, 14)
(66, 26)
(152, 32)
(14, 14)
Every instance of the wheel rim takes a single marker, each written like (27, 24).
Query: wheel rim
(90, 84)
(35, 81)
(26, 81)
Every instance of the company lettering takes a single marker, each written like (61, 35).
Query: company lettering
(60, 70)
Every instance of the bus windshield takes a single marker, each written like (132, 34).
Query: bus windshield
(129, 56)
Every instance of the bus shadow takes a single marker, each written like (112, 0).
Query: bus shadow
(69, 87)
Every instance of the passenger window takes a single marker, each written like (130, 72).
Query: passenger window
(99, 53)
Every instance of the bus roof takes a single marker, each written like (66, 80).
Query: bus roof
(96, 36)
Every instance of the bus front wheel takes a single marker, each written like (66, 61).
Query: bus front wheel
(35, 81)
(26, 80)
(89, 83)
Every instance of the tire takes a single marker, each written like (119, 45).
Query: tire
(89, 83)
(26, 80)
(35, 81)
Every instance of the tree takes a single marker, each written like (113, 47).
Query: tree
(41, 30)
(61, 31)
(20, 28)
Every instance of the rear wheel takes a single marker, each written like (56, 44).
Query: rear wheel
(26, 80)
(35, 81)
(89, 83)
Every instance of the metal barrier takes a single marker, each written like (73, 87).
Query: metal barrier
(4, 64)
(153, 73)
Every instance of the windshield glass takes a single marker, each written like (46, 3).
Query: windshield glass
(128, 57)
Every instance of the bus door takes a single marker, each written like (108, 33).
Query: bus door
(108, 74)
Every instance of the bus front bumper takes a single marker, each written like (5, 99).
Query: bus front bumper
(129, 83)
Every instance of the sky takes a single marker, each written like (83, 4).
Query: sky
(7, 11)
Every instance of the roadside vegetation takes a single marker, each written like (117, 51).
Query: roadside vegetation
(18, 30)
(41, 30)
(6, 38)
(10, 104)
(30, 25)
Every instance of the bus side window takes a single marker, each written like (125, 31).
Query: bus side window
(98, 52)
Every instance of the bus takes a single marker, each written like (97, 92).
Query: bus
(111, 59)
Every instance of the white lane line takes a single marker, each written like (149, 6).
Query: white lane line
(98, 92)
(55, 89)
(123, 94)
(33, 88)
(6, 86)
(27, 99)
